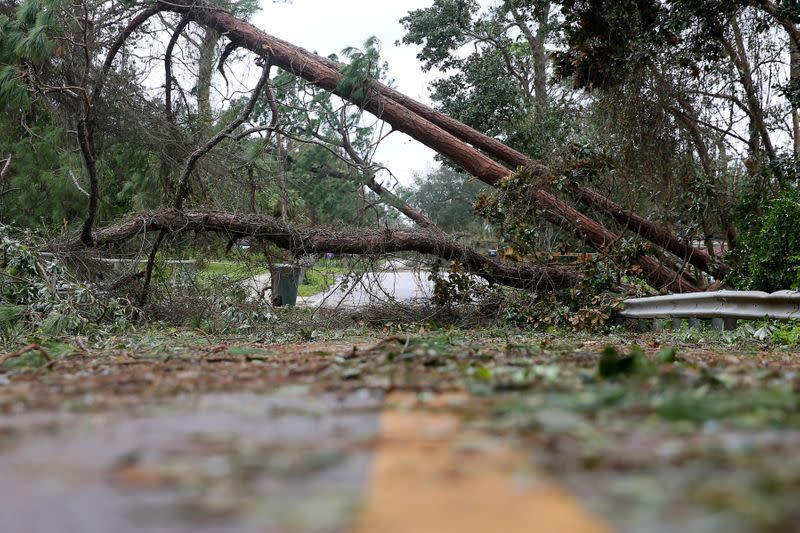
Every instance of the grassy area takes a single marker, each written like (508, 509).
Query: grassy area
(316, 281)
(322, 276)
(319, 278)
(232, 270)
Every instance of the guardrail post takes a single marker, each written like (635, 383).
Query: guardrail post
(660, 324)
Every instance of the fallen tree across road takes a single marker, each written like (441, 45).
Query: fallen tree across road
(315, 240)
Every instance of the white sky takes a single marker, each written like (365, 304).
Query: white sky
(328, 26)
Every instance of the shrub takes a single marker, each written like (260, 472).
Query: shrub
(38, 295)
(767, 256)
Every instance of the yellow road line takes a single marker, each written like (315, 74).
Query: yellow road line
(420, 482)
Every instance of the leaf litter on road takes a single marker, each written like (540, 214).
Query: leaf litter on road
(696, 438)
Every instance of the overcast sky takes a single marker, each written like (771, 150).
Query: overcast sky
(326, 27)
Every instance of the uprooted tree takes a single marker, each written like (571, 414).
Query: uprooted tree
(665, 266)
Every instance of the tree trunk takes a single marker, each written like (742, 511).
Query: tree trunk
(650, 231)
(316, 240)
(603, 241)
(205, 70)
(589, 197)
(738, 55)
(538, 52)
(540, 60)
(794, 78)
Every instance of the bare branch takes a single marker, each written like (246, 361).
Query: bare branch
(4, 171)
(168, 79)
(132, 26)
(219, 137)
(78, 185)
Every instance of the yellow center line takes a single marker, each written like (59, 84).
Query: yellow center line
(423, 481)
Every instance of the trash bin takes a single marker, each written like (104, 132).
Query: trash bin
(285, 280)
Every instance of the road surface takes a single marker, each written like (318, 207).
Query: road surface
(395, 282)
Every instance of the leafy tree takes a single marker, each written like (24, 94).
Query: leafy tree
(500, 86)
(768, 256)
(446, 197)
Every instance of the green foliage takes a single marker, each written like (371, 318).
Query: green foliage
(323, 190)
(365, 65)
(457, 286)
(608, 40)
(580, 308)
(509, 206)
(37, 295)
(40, 181)
(668, 354)
(612, 364)
(767, 256)
(441, 29)
(510, 209)
(791, 91)
(700, 406)
(322, 276)
(493, 86)
(12, 92)
(586, 164)
(446, 197)
(35, 45)
(28, 38)
(130, 179)
(786, 334)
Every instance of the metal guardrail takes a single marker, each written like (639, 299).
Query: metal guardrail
(742, 305)
(182, 270)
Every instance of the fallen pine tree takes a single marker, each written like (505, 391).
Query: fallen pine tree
(317, 240)
(585, 195)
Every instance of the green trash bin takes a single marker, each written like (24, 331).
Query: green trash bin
(285, 280)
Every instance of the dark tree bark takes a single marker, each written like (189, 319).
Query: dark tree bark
(4, 171)
(208, 47)
(794, 78)
(168, 79)
(315, 240)
(86, 143)
(134, 24)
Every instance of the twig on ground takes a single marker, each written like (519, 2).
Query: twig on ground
(23, 351)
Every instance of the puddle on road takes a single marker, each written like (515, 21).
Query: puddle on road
(243, 462)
